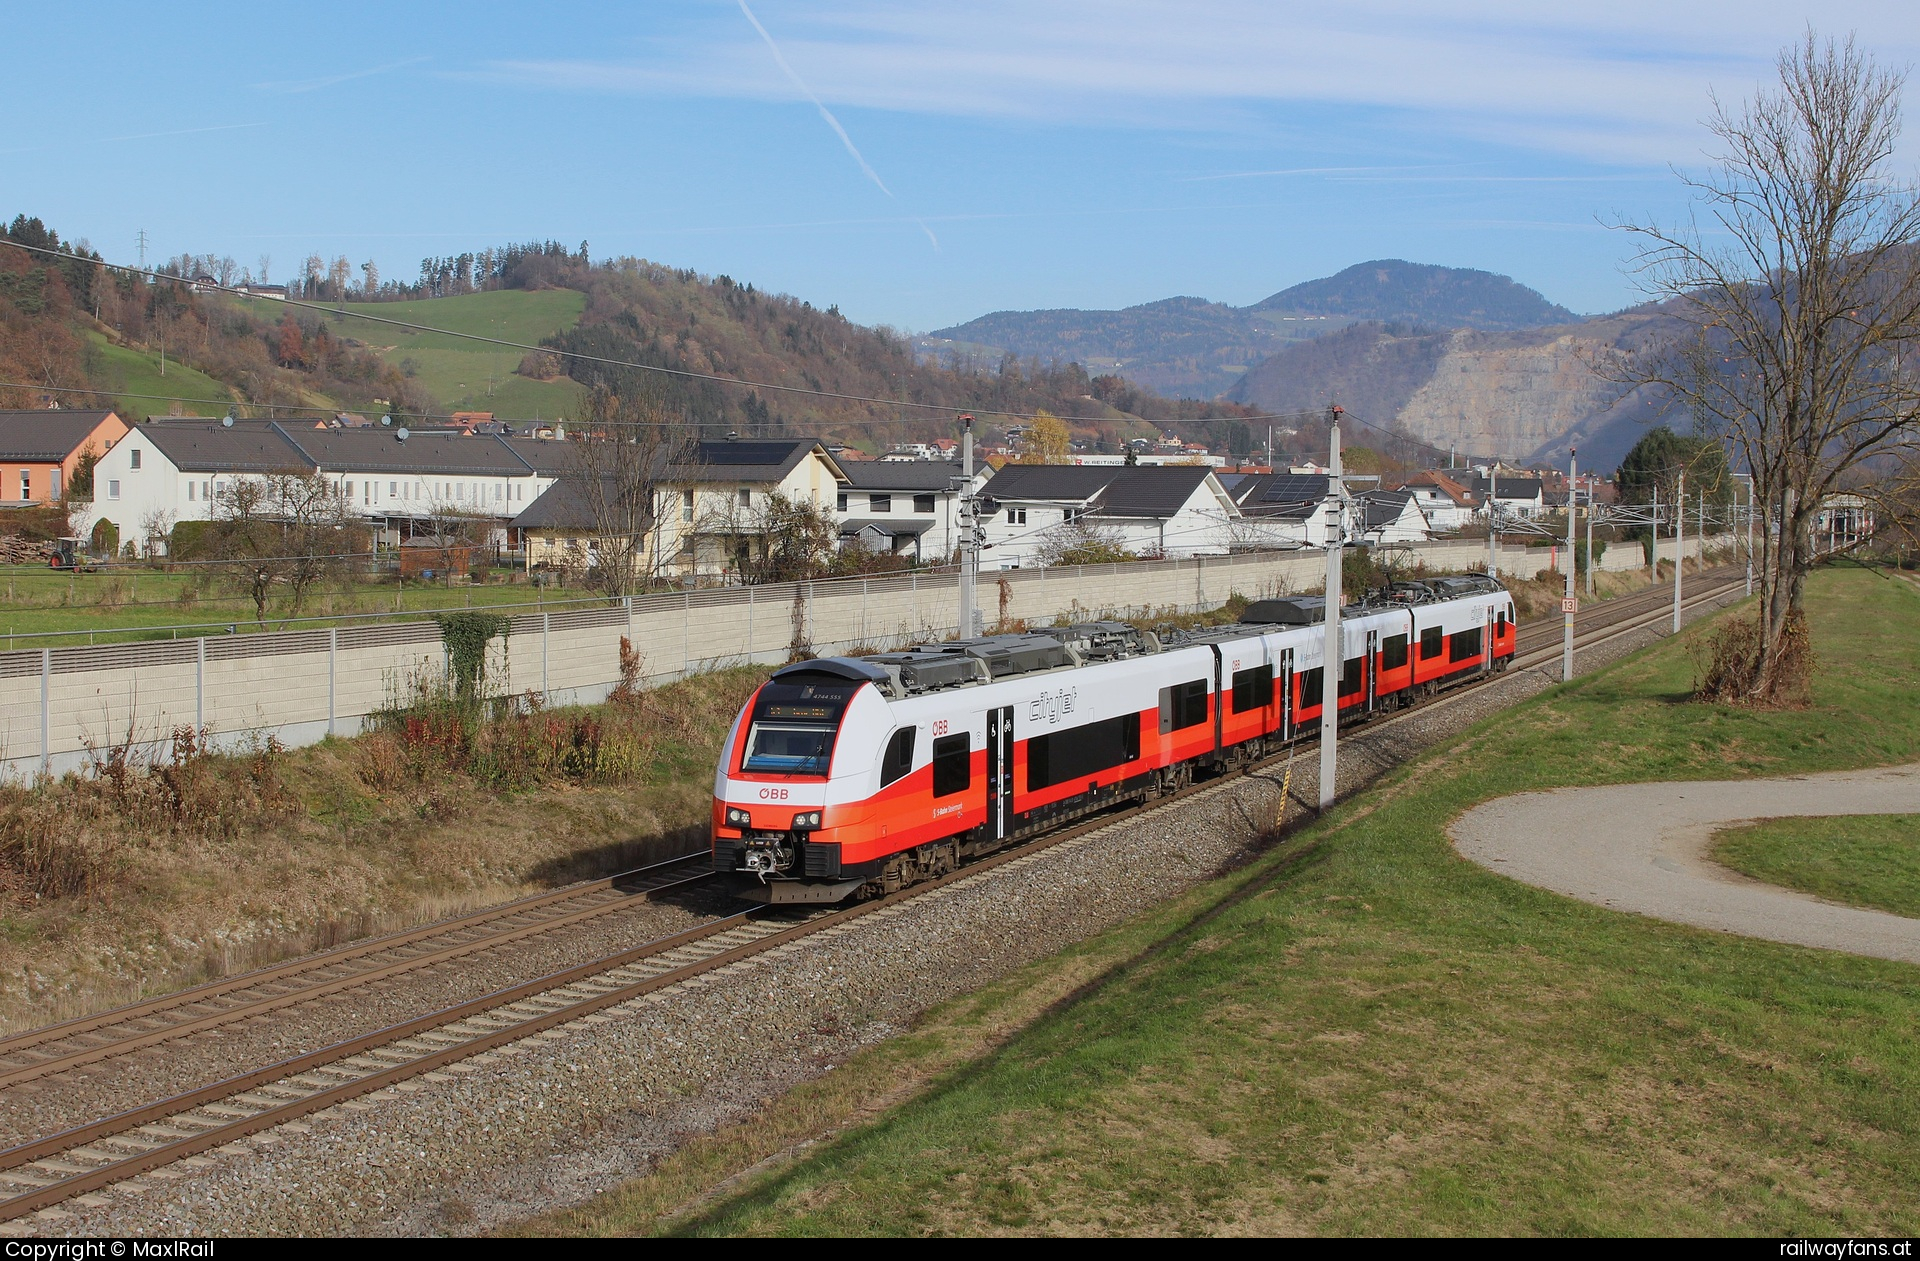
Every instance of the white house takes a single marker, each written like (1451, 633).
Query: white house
(172, 470)
(1168, 511)
(1514, 494)
(908, 506)
(1447, 503)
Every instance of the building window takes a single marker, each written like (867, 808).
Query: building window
(879, 503)
(53, 483)
(113, 490)
(1016, 516)
(349, 490)
(686, 505)
(133, 458)
(746, 497)
(191, 487)
(842, 503)
(26, 484)
(923, 503)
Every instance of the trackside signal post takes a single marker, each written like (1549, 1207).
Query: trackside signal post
(1331, 660)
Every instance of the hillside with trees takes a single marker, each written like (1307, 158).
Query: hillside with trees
(123, 341)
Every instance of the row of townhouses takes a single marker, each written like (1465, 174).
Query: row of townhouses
(711, 509)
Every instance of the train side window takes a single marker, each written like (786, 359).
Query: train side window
(1350, 676)
(899, 757)
(952, 765)
(1466, 645)
(1183, 705)
(1431, 641)
(1501, 622)
(1310, 684)
(1252, 689)
(1393, 653)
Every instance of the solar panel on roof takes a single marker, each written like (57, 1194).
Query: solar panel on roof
(744, 452)
(1294, 488)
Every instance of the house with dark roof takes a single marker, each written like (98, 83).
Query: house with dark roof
(1168, 511)
(908, 506)
(173, 469)
(1514, 494)
(41, 450)
(711, 509)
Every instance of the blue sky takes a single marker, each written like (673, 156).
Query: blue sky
(917, 164)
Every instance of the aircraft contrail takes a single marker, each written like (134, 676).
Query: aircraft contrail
(827, 114)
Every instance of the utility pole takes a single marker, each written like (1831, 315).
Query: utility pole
(1749, 534)
(1679, 542)
(969, 545)
(1590, 515)
(1567, 604)
(1493, 506)
(1331, 660)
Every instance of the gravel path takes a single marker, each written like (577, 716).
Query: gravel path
(564, 1115)
(1643, 848)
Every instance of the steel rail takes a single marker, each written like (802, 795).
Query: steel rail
(212, 1116)
(34, 1044)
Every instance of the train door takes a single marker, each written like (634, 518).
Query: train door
(1486, 658)
(1373, 670)
(1000, 772)
(1283, 672)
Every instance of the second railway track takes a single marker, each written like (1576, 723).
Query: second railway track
(44, 1172)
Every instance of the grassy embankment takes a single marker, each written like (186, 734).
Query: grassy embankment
(473, 376)
(140, 879)
(1870, 860)
(139, 390)
(1364, 1033)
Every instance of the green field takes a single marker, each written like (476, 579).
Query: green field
(1363, 1033)
(472, 376)
(1870, 860)
(41, 608)
(133, 378)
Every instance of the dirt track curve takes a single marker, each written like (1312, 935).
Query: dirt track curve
(1643, 848)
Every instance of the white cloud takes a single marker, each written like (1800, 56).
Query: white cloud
(1625, 83)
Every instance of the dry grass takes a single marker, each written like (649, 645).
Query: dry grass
(143, 877)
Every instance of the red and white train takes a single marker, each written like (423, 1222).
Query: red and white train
(863, 774)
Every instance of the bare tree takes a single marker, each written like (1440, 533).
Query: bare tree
(265, 262)
(279, 530)
(1083, 541)
(371, 284)
(224, 269)
(627, 450)
(1800, 301)
(770, 537)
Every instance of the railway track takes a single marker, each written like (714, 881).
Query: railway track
(123, 1030)
(114, 1149)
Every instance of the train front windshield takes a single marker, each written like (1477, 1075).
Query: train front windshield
(794, 726)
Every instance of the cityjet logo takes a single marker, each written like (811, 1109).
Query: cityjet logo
(1051, 707)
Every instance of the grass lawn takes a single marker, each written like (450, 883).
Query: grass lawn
(1865, 860)
(42, 608)
(467, 375)
(1364, 1033)
(133, 378)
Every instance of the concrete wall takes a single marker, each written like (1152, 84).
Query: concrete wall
(56, 704)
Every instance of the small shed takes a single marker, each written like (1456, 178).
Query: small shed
(434, 558)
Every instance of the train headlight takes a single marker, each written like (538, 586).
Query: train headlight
(811, 819)
(738, 818)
